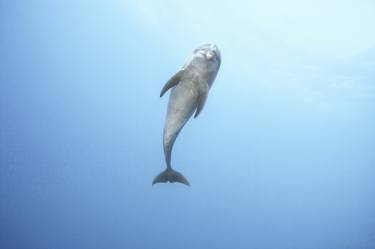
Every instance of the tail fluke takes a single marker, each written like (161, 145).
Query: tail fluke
(170, 175)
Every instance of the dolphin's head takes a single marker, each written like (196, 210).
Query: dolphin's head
(210, 52)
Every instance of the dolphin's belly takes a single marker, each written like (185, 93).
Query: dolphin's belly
(181, 106)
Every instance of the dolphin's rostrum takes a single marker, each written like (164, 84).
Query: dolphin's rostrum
(189, 90)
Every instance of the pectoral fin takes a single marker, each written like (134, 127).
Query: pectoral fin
(172, 82)
(201, 100)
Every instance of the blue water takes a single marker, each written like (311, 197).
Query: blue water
(282, 156)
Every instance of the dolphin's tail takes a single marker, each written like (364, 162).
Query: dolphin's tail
(170, 175)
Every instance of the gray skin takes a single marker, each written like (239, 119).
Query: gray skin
(189, 91)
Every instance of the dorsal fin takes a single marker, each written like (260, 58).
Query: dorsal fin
(172, 82)
(201, 100)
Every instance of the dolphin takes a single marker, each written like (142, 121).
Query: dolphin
(189, 91)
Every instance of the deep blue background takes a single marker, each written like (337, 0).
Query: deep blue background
(282, 156)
